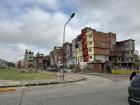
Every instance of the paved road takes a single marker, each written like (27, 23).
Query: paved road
(94, 91)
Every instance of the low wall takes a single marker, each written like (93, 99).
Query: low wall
(124, 72)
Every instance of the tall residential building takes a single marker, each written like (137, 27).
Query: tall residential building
(46, 61)
(125, 52)
(28, 59)
(56, 56)
(74, 55)
(97, 46)
(68, 54)
(39, 61)
(79, 50)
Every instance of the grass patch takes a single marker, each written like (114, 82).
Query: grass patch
(13, 74)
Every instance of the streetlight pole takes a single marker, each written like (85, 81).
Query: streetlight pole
(72, 15)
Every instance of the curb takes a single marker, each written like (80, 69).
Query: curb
(121, 75)
(38, 84)
(7, 89)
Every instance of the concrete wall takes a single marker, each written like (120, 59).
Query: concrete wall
(96, 67)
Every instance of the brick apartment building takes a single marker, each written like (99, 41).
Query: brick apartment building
(99, 50)
(29, 59)
(68, 54)
(97, 46)
(79, 50)
(94, 47)
(56, 56)
(125, 54)
(33, 62)
(39, 61)
(74, 54)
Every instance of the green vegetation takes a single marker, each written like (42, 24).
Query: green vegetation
(13, 74)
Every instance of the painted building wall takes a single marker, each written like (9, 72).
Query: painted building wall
(90, 44)
(97, 43)
(74, 54)
(79, 49)
(68, 54)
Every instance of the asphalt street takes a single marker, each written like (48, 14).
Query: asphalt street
(96, 90)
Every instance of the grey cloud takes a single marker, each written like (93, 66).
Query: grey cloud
(118, 16)
(44, 30)
(41, 30)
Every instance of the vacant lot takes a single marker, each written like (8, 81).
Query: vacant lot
(13, 74)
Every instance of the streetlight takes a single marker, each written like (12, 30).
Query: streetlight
(72, 15)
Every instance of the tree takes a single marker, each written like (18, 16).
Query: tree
(10, 64)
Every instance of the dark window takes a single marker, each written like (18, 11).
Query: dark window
(136, 81)
(90, 35)
(89, 50)
(76, 46)
(127, 52)
(110, 58)
(90, 42)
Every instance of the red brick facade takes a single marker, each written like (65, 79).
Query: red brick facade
(104, 43)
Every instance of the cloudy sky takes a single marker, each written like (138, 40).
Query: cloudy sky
(37, 25)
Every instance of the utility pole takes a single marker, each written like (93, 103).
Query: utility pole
(72, 15)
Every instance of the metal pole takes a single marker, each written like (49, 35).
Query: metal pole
(72, 15)
(64, 50)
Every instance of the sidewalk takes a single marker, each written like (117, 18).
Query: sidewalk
(69, 77)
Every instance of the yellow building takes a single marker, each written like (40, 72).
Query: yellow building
(90, 44)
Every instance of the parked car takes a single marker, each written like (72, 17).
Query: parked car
(134, 90)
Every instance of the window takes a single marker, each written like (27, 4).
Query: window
(30, 57)
(89, 50)
(90, 35)
(126, 46)
(90, 42)
(127, 59)
(90, 57)
(76, 46)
